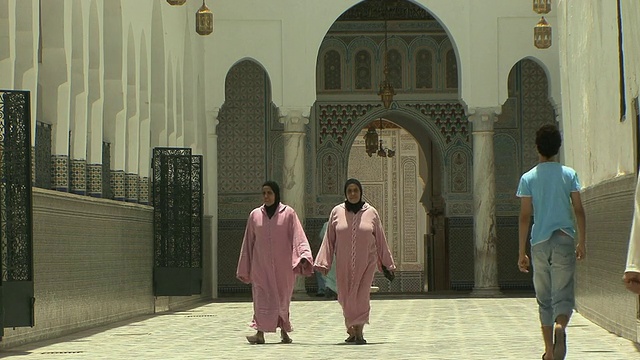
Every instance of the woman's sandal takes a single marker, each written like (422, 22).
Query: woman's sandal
(350, 339)
(285, 339)
(254, 339)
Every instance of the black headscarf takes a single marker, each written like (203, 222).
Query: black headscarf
(271, 210)
(354, 208)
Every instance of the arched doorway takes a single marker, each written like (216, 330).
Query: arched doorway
(427, 117)
(249, 151)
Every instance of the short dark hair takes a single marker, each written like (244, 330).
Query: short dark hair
(548, 140)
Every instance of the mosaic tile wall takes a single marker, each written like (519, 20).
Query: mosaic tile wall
(117, 184)
(60, 171)
(94, 180)
(79, 177)
(131, 187)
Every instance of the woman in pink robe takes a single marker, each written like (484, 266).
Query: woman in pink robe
(274, 249)
(356, 237)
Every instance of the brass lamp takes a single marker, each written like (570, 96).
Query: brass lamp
(542, 34)
(371, 140)
(204, 20)
(542, 6)
(386, 93)
(176, 2)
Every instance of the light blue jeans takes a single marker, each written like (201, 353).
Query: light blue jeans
(554, 265)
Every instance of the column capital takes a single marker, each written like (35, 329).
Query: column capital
(294, 119)
(212, 121)
(483, 118)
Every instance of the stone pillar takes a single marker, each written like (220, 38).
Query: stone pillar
(292, 187)
(484, 203)
(211, 193)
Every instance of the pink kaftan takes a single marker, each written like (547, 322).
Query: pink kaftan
(271, 255)
(360, 246)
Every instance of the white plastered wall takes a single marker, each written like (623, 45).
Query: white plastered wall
(489, 39)
(598, 139)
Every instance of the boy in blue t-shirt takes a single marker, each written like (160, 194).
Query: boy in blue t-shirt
(551, 193)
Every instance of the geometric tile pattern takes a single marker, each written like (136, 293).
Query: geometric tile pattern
(94, 180)
(335, 120)
(107, 188)
(144, 191)
(448, 117)
(536, 109)
(230, 234)
(409, 210)
(241, 131)
(459, 172)
(461, 252)
(131, 187)
(60, 170)
(42, 156)
(117, 185)
(79, 176)
(509, 277)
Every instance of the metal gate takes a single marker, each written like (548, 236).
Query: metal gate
(177, 221)
(16, 215)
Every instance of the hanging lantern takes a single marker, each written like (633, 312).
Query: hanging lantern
(542, 34)
(386, 94)
(176, 2)
(204, 20)
(542, 6)
(371, 140)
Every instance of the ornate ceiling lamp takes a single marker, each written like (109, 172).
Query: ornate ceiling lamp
(542, 34)
(386, 92)
(542, 30)
(542, 6)
(371, 140)
(204, 17)
(204, 20)
(373, 143)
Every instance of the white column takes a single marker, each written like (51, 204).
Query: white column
(484, 202)
(292, 187)
(211, 193)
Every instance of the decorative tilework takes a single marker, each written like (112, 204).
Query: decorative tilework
(405, 282)
(409, 210)
(131, 187)
(60, 170)
(94, 180)
(329, 172)
(241, 132)
(449, 117)
(144, 191)
(79, 176)
(459, 172)
(42, 156)
(117, 185)
(335, 120)
(536, 109)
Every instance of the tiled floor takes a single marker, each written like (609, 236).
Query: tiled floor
(501, 328)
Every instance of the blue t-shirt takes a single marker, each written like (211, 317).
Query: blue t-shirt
(550, 185)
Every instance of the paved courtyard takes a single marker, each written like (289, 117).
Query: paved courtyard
(470, 328)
